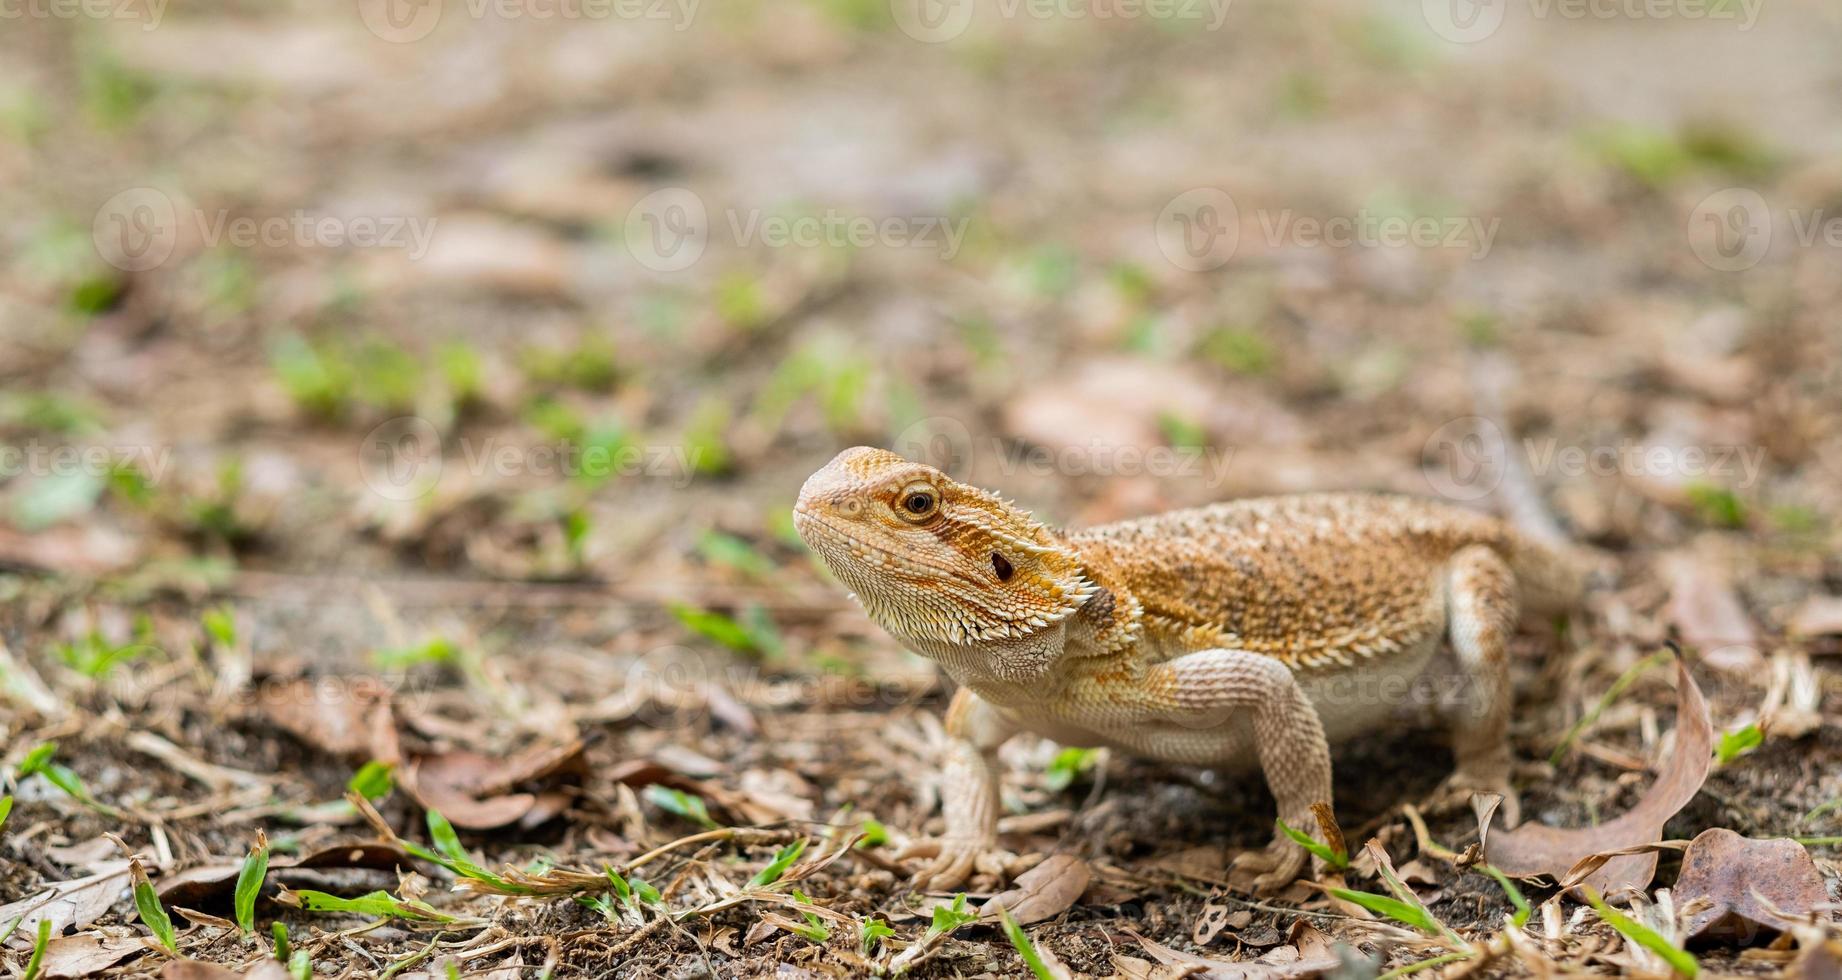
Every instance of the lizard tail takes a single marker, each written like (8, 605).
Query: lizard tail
(1553, 572)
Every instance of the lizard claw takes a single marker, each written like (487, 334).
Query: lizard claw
(1275, 867)
(952, 860)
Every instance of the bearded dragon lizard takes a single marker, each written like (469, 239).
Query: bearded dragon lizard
(1258, 630)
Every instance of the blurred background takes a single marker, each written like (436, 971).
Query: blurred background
(511, 327)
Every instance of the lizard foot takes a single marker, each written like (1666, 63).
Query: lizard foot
(952, 860)
(1275, 867)
(1454, 794)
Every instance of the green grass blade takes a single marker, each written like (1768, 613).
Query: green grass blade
(153, 914)
(1025, 949)
(1337, 860)
(1393, 908)
(1605, 701)
(249, 883)
(782, 861)
(1679, 960)
(1521, 918)
(37, 962)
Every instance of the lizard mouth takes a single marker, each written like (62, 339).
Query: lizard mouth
(819, 530)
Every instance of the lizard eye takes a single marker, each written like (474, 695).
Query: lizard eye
(1002, 566)
(919, 502)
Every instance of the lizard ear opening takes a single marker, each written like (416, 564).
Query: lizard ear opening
(1002, 566)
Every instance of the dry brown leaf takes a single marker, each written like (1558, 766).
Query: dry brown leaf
(86, 954)
(195, 886)
(1262, 969)
(1533, 849)
(1707, 613)
(1043, 892)
(1210, 923)
(75, 903)
(474, 790)
(1746, 880)
(345, 716)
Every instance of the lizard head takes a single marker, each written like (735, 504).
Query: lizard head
(935, 560)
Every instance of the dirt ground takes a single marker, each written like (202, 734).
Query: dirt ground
(421, 391)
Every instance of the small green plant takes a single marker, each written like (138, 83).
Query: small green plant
(6, 808)
(1678, 959)
(449, 853)
(436, 651)
(1067, 765)
(871, 933)
(754, 634)
(783, 859)
(1240, 350)
(220, 623)
(814, 930)
(730, 551)
(279, 932)
(153, 914)
(40, 761)
(249, 883)
(374, 780)
(1335, 859)
(1716, 506)
(377, 904)
(687, 805)
(1737, 743)
(948, 917)
(94, 657)
(874, 834)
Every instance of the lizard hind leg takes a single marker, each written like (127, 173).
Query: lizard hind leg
(1481, 617)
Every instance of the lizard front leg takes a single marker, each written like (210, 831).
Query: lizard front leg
(968, 797)
(1286, 732)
